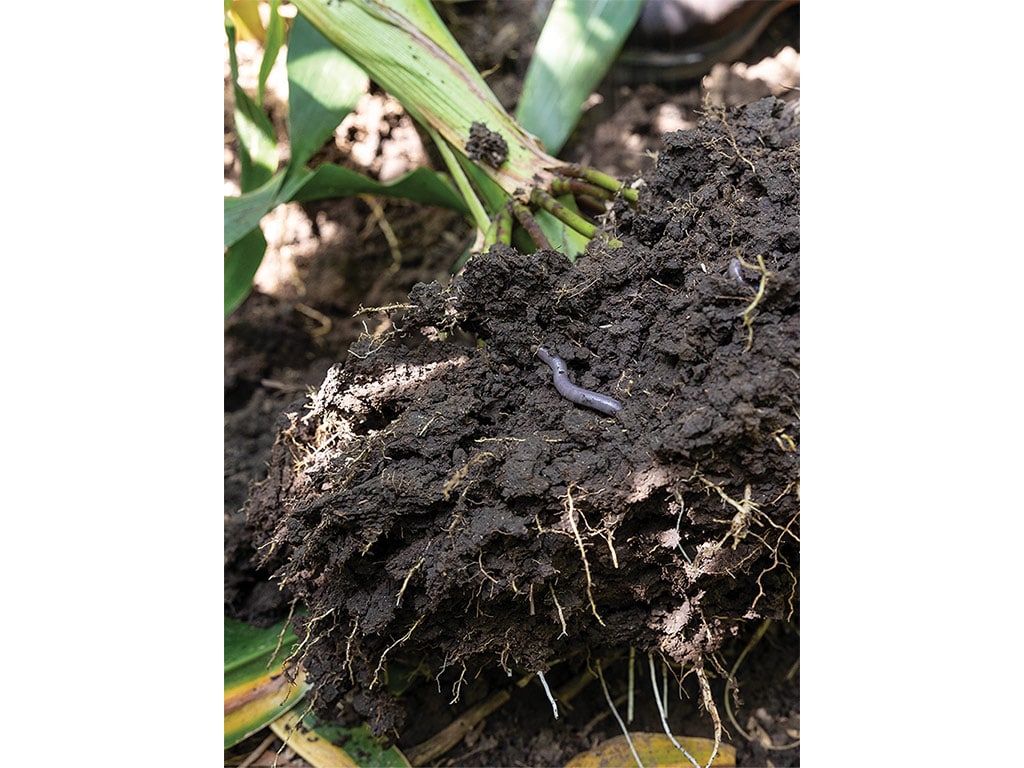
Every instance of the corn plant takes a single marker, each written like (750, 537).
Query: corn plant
(499, 173)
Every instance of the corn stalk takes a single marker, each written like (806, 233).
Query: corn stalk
(405, 47)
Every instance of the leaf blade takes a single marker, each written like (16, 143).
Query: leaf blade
(257, 687)
(317, 743)
(242, 214)
(257, 143)
(420, 185)
(324, 85)
(577, 45)
(273, 40)
(655, 750)
(240, 264)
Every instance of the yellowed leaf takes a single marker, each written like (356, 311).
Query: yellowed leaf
(249, 706)
(313, 742)
(655, 750)
(309, 745)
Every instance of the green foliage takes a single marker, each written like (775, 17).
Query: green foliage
(333, 746)
(257, 689)
(246, 646)
(404, 47)
(578, 43)
(241, 261)
(324, 86)
(257, 146)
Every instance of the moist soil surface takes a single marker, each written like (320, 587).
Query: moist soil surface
(399, 463)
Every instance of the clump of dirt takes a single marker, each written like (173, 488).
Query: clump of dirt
(436, 501)
(487, 145)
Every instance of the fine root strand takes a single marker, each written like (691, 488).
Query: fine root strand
(748, 316)
(746, 508)
(571, 514)
(398, 642)
(661, 712)
(460, 474)
(618, 717)
(280, 635)
(348, 651)
(712, 709)
(405, 582)
(309, 635)
(730, 687)
(547, 690)
(561, 616)
(630, 684)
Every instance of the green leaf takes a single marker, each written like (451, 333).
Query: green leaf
(424, 17)
(244, 643)
(562, 238)
(257, 143)
(579, 42)
(240, 264)
(492, 196)
(421, 185)
(245, 242)
(243, 214)
(271, 46)
(405, 49)
(257, 688)
(324, 85)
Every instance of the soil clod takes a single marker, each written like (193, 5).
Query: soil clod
(439, 507)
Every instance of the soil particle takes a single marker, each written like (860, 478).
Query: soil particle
(436, 503)
(487, 145)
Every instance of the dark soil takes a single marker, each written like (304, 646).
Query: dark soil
(451, 524)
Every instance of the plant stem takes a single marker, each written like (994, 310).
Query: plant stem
(523, 215)
(404, 47)
(599, 179)
(542, 199)
(465, 188)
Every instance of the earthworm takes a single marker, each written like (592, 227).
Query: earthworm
(570, 391)
(736, 270)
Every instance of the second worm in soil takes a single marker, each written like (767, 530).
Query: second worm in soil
(570, 391)
(736, 270)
